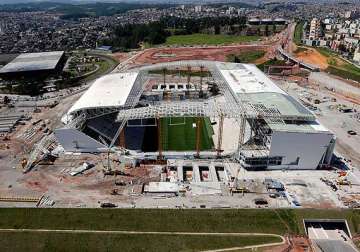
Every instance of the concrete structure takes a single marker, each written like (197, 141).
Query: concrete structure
(315, 29)
(276, 131)
(356, 57)
(34, 65)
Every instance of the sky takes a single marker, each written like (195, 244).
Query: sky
(166, 1)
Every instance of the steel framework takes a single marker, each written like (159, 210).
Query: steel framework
(229, 106)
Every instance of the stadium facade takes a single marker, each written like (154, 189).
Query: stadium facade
(132, 110)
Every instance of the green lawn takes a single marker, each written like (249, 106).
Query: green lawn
(325, 51)
(202, 39)
(123, 242)
(279, 221)
(246, 57)
(179, 134)
(344, 70)
(298, 33)
(105, 66)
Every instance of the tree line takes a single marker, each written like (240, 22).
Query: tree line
(130, 36)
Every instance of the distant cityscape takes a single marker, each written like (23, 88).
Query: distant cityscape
(46, 30)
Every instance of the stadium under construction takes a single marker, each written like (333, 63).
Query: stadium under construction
(196, 110)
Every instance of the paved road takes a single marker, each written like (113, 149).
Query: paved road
(330, 240)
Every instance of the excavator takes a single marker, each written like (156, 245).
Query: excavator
(342, 179)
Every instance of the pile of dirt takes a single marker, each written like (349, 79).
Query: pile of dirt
(313, 57)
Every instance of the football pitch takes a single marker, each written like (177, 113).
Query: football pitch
(179, 134)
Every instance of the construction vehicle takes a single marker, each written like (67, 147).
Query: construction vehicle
(120, 183)
(115, 173)
(342, 173)
(6, 138)
(4, 146)
(114, 191)
(23, 162)
(343, 181)
(108, 205)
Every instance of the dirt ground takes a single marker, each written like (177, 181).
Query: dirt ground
(157, 55)
(313, 57)
(121, 56)
(293, 244)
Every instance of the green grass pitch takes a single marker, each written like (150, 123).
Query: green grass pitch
(179, 134)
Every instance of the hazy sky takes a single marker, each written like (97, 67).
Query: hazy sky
(169, 1)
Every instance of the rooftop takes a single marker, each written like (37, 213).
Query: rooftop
(253, 86)
(33, 61)
(311, 127)
(108, 91)
(283, 103)
(247, 78)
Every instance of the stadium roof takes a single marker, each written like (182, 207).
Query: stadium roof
(247, 78)
(33, 62)
(252, 85)
(285, 104)
(253, 89)
(108, 91)
(308, 127)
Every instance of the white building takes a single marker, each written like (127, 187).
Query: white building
(315, 29)
(357, 55)
(198, 8)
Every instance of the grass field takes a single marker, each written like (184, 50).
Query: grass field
(246, 57)
(298, 33)
(207, 39)
(338, 66)
(123, 242)
(279, 221)
(105, 66)
(179, 134)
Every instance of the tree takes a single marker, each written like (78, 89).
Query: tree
(7, 100)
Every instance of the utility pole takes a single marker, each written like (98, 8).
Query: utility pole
(160, 147)
(188, 74)
(198, 135)
(220, 136)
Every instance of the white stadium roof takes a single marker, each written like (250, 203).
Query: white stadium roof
(108, 91)
(248, 79)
